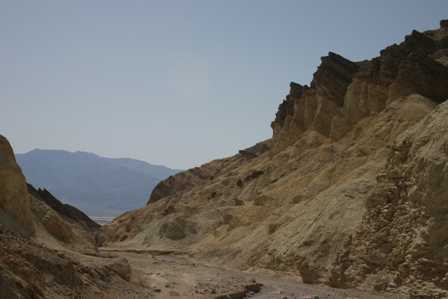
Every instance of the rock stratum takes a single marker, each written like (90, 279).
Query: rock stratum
(350, 191)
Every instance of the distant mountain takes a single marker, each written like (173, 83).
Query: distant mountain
(97, 185)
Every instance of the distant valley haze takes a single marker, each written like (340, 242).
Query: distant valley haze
(98, 185)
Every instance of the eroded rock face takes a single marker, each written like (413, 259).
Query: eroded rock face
(343, 92)
(15, 206)
(402, 239)
(333, 76)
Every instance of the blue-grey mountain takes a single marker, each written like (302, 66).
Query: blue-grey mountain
(97, 185)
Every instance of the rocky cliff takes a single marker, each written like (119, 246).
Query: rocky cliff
(343, 92)
(349, 191)
(15, 202)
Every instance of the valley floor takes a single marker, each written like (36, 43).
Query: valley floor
(169, 274)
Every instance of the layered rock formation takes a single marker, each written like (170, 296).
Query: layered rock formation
(343, 92)
(350, 191)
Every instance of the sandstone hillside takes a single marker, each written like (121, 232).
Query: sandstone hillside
(350, 191)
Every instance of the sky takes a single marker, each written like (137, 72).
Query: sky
(177, 83)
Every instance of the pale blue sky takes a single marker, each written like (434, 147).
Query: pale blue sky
(175, 82)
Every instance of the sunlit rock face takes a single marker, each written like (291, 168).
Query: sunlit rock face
(15, 202)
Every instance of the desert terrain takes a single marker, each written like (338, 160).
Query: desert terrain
(348, 199)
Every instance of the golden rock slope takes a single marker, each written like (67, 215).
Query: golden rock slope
(351, 190)
(15, 203)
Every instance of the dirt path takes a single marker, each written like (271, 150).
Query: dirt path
(173, 274)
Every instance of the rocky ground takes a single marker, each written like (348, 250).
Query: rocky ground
(32, 270)
(178, 275)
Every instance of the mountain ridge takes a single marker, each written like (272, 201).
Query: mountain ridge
(99, 185)
(92, 154)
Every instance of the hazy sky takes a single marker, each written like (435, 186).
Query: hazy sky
(175, 82)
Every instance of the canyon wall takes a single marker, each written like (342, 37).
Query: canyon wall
(349, 191)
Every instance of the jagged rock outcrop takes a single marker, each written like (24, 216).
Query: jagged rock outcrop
(343, 92)
(333, 76)
(15, 202)
(350, 192)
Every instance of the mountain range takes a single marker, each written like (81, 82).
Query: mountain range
(98, 185)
